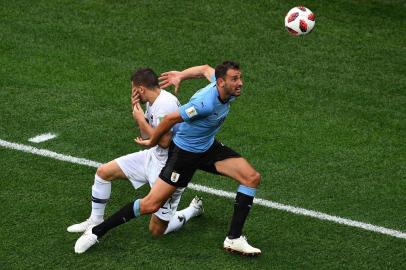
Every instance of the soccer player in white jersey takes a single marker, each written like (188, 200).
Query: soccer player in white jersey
(144, 166)
(194, 147)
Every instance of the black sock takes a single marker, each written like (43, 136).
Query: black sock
(242, 207)
(122, 216)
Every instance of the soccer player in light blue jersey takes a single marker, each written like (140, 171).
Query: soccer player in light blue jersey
(194, 147)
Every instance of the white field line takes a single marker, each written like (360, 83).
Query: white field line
(217, 192)
(42, 138)
(50, 154)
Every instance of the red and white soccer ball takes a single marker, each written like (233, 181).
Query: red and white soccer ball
(299, 21)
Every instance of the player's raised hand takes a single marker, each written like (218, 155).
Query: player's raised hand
(170, 78)
(142, 142)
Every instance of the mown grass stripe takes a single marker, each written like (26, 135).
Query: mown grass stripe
(217, 192)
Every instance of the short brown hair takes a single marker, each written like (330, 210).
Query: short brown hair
(221, 69)
(145, 77)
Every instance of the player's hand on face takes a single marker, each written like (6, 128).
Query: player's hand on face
(170, 78)
(135, 97)
(138, 112)
(142, 142)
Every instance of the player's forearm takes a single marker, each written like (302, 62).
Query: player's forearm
(145, 128)
(165, 140)
(204, 71)
(164, 126)
(160, 130)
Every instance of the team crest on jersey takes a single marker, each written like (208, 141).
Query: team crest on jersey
(191, 112)
(175, 177)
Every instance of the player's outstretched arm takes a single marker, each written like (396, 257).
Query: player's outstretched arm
(176, 77)
(164, 126)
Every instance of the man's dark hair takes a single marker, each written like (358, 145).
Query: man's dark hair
(221, 69)
(145, 77)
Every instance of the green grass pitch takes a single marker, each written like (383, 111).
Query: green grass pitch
(321, 117)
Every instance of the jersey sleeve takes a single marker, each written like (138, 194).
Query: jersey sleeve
(196, 108)
(213, 78)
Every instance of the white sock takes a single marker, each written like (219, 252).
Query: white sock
(180, 218)
(101, 191)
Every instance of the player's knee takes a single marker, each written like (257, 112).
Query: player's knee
(156, 231)
(254, 179)
(106, 173)
(103, 172)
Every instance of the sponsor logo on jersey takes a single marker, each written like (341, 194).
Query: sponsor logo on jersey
(191, 112)
(175, 177)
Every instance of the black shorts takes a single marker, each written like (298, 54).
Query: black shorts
(181, 164)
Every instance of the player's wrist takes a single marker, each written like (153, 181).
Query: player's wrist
(183, 75)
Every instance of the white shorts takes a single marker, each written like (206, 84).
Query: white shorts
(143, 167)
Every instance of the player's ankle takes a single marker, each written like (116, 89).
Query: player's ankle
(96, 218)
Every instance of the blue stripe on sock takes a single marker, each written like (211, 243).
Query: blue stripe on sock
(137, 208)
(247, 190)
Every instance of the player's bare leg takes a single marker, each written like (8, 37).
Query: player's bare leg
(180, 218)
(159, 227)
(240, 170)
(101, 191)
(159, 193)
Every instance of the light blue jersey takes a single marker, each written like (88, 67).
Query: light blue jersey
(203, 116)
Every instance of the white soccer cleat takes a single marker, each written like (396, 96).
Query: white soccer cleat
(84, 242)
(197, 203)
(82, 227)
(240, 245)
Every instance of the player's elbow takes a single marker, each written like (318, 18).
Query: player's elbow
(206, 68)
(164, 143)
(208, 71)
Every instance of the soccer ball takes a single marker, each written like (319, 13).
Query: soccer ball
(299, 21)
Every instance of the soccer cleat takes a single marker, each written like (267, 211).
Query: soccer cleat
(241, 246)
(87, 240)
(197, 203)
(82, 227)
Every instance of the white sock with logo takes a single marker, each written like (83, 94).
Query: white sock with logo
(180, 218)
(101, 191)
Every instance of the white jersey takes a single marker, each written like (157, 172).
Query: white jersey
(164, 104)
(144, 166)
